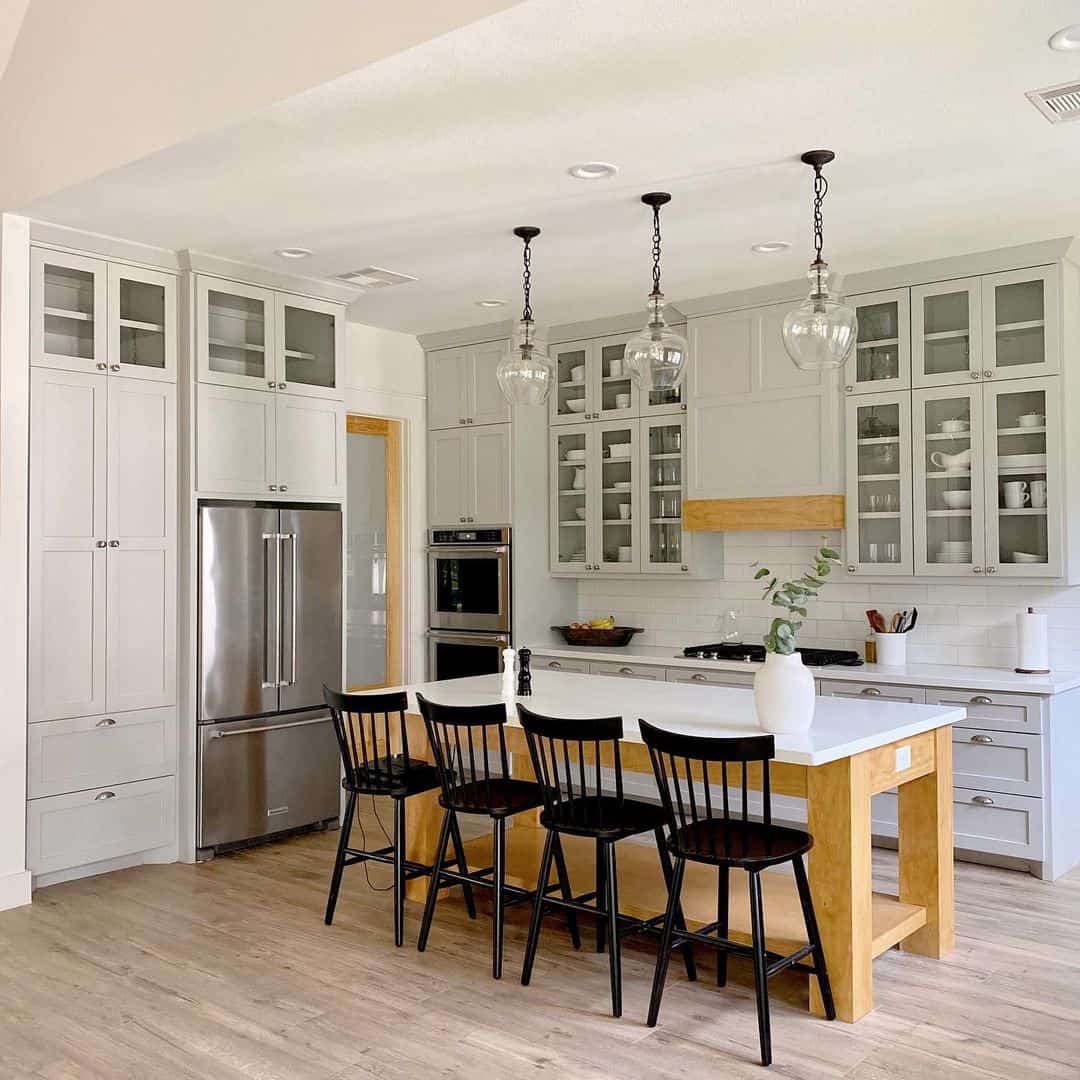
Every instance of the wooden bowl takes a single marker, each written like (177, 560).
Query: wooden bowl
(616, 636)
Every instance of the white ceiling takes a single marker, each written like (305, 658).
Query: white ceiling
(423, 162)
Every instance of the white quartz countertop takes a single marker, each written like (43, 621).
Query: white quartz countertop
(842, 726)
(947, 676)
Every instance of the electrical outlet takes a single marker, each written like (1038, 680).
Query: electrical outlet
(903, 758)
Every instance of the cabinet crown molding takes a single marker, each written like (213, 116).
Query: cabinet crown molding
(200, 262)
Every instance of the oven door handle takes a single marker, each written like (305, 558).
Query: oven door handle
(476, 551)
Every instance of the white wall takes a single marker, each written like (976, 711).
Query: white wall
(958, 624)
(14, 422)
(386, 377)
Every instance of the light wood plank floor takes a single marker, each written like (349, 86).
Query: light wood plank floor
(226, 970)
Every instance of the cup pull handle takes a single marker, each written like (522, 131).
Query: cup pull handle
(101, 796)
(872, 691)
(698, 677)
(982, 699)
(982, 740)
(982, 800)
(107, 721)
(554, 664)
(626, 671)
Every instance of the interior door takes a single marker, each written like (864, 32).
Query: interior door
(239, 612)
(311, 599)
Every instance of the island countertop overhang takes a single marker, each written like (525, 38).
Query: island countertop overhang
(842, 727)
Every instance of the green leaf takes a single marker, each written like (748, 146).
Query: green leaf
(828, 553)
(763, 572)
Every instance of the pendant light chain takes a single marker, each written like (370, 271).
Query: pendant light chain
(821, 189)
(656, 250)
(526, 281)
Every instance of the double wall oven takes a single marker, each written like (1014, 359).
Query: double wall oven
(469, 601)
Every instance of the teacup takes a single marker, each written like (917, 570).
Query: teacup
(1016, 494)
(622, 401)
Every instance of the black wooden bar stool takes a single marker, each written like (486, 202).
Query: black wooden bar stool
(361, 723)
(567, 757)
(705, 833)
(469, 747)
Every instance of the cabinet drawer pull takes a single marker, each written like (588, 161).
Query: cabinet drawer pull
(981, 699)
(871, 691)
(983, 740)
(698, 677)
(982, 800)
(101, 796)
(626, 671)
(554, 664)
(106, 721)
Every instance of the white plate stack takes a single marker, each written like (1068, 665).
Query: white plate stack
(954, 551)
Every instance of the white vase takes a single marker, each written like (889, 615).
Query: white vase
(784, 694)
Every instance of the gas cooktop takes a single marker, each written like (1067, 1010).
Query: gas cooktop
(756, 654)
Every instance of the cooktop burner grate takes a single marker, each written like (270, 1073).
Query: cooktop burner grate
(756, 654)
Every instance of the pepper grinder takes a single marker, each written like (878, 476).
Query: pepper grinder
(524, 685)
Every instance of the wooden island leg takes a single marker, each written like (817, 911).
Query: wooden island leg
(838, 807)
(926, 852)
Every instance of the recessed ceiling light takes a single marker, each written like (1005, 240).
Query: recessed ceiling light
(1066, 39)
(771, 247)
(490, 303)
(293, 252)
(593, 170)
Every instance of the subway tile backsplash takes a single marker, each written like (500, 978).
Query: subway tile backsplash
(958, 624)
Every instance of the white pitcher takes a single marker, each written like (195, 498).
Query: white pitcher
(949, 462)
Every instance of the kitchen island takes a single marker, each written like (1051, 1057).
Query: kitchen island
(854, 750)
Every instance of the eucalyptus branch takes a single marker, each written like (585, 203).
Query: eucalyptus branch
(793, 596)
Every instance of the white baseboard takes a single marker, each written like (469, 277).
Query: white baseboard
(167, 854)
(14, 890)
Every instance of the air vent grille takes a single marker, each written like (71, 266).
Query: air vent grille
(1057, 103)
(375, 277)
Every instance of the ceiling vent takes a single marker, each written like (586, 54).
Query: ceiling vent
(375, 277)
(1057, 103)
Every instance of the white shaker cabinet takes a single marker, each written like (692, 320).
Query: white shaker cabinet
(310, 447)
(469, 476)
(235, 440)
(463, 390)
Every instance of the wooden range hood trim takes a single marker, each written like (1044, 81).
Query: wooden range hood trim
(753, 515)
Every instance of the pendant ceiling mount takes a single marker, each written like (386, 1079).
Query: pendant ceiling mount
(525, 374)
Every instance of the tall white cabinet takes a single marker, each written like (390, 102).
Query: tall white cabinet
(103, 510)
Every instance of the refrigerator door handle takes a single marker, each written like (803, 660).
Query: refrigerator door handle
(273, 539)
(292, 538)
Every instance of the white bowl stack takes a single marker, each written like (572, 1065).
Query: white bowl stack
(954, 551)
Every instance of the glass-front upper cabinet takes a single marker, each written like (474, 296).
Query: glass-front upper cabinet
(592, 382)
(235, 326)
(68, 304)
(310, 337)
(881, 361)
(142, 323)
(1020, 321)
(616, 393)
(949, 503)
(1024, 492)
(571, 502)
(946, 333)
(615, 533)
(571, 399)
(879, 534)
(663, 544)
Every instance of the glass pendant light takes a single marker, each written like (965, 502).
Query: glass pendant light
(657, 357)
(820, 333)
(525, 373)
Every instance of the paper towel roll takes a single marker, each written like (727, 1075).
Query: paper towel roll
(1032, 647)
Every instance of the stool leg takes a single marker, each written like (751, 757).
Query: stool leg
(567, 892)
(538, 910)
(814, 938)
(722, 893)
(664, 955)
(601, 893)
(761, 982)
(399, 871)
(680, 922)
(433, 883)
(339, 861)
(614, 948)
(463, 866)
(497, 908)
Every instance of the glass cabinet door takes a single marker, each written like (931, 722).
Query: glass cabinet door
(235, 334)
(662, 492)
(615, 394)
(948, 488)
(142, 323)
(1020, 323)
(309, 344)
(571, 401)
(68, 305)
(615, 529)
(882, 358)
(878, 485)
(1023, 481)
(946, 333)
(573, 493)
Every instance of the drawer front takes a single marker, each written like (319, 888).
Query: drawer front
(66, 831)
(913, 695)
(987, 821)
(559, 663)
(998, 761)
(711, 677)
(997, 712)
(87, 752)
(629, 671)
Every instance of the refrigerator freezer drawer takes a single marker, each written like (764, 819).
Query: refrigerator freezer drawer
(263, 776)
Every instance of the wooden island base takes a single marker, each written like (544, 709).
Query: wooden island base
(856, 923)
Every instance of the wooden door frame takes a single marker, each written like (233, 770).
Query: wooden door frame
(391, 431)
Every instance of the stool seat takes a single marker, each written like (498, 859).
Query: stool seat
(497, 797)
(747, 844)
(604, 817)
(396, 776)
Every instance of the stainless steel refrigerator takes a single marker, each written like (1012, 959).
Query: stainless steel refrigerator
(269, 638)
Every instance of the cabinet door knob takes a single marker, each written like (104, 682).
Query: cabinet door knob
(114, 367)
(981, 699)
(976, 569)
(686, 569)
(982, 800)
(554, 664)
(851, 568)
(99, 543)
(101, 796)
(626, 671)
(468, 420)
(281, 386)
(284, 487)
(271, 383)
(974, 374)
(106, 721)
(273, 487)
(991, 569)
(698, 677)
(101, 366)
(461, 419)
(114, 543)
(683, 407)
(871, 691)
(988, 374)
(982, 740)
(849, 389)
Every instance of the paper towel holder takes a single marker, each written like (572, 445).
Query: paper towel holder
(1031, 671)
